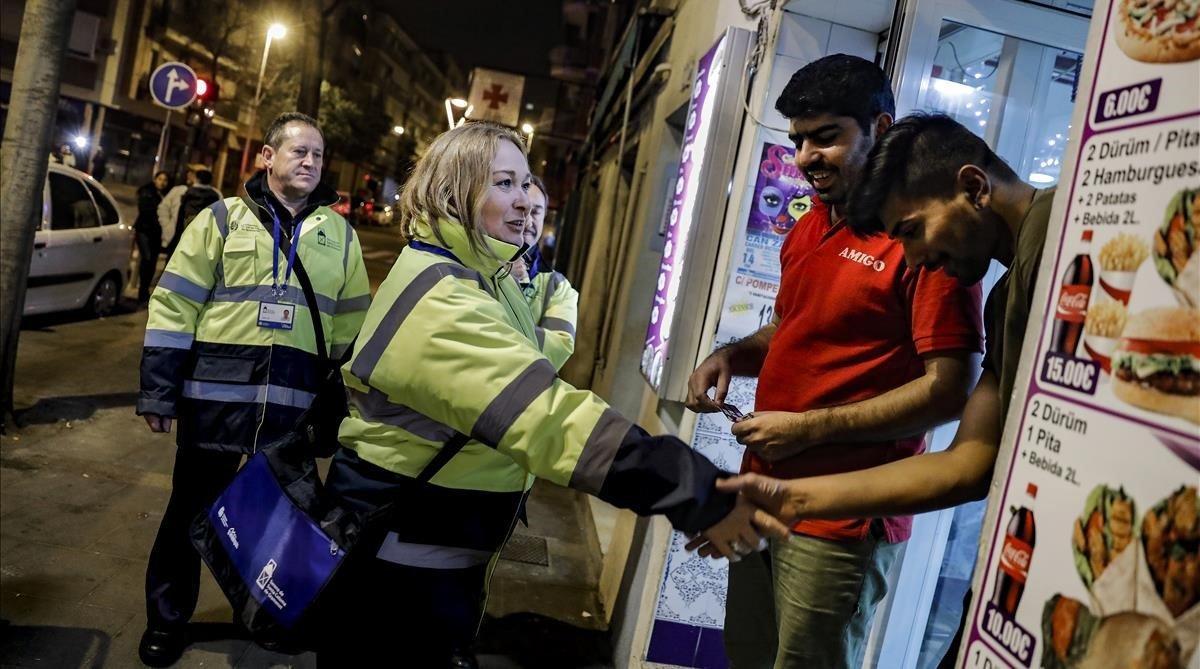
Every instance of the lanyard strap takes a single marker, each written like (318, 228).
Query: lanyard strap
(278, 289)
(436, 250)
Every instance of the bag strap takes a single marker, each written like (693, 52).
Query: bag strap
(310, 296)
(448, 451)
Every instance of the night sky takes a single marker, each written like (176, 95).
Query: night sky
(512, 36)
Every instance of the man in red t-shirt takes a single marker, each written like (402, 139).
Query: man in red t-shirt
(864, 356)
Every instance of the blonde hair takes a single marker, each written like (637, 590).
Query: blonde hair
(452, 178)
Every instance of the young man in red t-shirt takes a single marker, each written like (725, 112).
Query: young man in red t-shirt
(865, 355)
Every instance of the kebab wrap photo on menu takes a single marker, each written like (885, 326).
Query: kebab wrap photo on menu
(1074, 638)
(1169, 576)
(1105, 552)
(1175, 246)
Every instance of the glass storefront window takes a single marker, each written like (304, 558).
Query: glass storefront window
(1015, 94)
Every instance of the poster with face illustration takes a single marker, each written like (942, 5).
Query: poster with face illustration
(781, 198)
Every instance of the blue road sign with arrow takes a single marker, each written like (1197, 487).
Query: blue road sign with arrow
(173, 85)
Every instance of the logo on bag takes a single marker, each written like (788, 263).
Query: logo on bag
(230, 531)
(271, 589)
(264, 576)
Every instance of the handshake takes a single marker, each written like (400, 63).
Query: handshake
(765, 508)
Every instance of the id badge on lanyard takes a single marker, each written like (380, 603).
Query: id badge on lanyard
(276, 314)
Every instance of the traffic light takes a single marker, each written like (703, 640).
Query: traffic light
(207, 91)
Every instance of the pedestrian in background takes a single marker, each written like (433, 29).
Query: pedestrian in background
(99, 164)
(552, 300)
(230, 347)
(148, 231)
(193, 201)
(64, 156)
(168, 209)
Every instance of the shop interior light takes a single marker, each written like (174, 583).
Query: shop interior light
(1040, 178)
(950, 89)
(398, 129)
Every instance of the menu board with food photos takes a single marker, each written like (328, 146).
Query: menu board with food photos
(1091, 552)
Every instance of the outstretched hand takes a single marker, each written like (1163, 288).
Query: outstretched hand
(738, 533)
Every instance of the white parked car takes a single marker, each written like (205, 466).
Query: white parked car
(81, 252)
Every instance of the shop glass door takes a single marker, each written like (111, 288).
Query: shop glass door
(1008, 71)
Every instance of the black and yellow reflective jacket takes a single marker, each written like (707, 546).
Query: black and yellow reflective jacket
(233, 384)
(449, 346)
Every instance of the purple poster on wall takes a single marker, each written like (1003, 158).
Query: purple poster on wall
(781, 197)
(682, 213)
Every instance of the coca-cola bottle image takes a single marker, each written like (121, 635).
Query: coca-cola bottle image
(1073, 300)
(1019, 540)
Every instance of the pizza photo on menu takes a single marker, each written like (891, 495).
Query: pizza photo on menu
(1159, 31)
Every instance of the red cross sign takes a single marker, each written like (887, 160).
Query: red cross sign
(495, 96)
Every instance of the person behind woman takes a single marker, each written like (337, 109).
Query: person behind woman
(553, 303)
(149, 231)
(449, 348)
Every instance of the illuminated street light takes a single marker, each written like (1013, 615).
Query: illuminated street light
(528, 130)
(80, 142)
(457, 103)
(274, 31)
(398, 129)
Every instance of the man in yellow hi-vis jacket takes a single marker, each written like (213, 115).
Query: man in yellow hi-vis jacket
(553, 302)
(230, 349)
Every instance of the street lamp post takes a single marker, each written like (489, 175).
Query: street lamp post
(451, 105)
(276, 31)
(528, 130)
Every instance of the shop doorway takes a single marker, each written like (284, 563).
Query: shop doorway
(1007, 69)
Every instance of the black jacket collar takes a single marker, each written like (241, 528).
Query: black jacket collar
(257, 196)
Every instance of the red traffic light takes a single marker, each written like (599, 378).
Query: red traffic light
(207, 91)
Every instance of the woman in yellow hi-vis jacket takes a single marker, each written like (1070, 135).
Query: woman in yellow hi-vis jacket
(448, 348)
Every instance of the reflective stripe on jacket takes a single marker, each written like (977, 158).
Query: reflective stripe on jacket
(451, 348)
(554, 304)
(205, 359)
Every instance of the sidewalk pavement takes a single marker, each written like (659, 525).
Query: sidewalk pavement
(83, 484)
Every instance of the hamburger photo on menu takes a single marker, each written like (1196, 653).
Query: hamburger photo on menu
(1156, 364)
